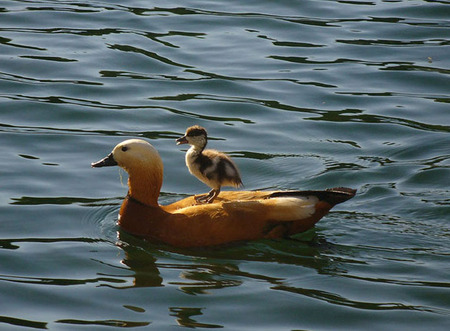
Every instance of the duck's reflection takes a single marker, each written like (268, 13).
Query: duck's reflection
(140, 260)
(200, 271)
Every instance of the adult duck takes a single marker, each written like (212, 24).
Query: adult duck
(233, 216)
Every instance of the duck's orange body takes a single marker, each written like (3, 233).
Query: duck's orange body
(232, 217)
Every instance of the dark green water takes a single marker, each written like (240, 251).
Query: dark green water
(303, 94)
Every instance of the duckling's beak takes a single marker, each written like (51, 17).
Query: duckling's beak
(182, 140)
(105, 162)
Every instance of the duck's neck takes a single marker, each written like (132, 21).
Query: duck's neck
(144, 185)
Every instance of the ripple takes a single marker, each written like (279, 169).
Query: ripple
(32, 80)
(111, 323)
(339, 300)
(23, 322)
(8, 42)
(100, 221)
(48, 58)
(153, 55)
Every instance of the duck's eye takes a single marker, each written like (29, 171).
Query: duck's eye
(124, 148)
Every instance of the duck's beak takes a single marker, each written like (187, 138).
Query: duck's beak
(182, 140)
(105, 162)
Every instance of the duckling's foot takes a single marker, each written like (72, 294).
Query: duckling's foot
(201, 198)
(207, 198)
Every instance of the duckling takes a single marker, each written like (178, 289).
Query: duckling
(213, 168)
(235, 216)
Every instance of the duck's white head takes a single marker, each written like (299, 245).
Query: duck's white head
(130, 154)
(195, 136)
(143, 164)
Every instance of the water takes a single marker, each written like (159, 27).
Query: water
(303, 95)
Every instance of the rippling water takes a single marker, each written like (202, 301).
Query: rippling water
(303, 94)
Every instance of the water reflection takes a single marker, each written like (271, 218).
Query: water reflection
(184, 317)
(23, 322)
(336, 299)
(153, 55)
(34, 201)
(220, 267)
(112, 323)
(141, 262)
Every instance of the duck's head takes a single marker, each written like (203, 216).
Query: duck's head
(143, 164)
(195, 136)
(131, 154)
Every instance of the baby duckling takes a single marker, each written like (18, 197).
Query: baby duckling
(213, 168)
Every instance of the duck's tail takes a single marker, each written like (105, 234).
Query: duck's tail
(332, 196)
(325, 200)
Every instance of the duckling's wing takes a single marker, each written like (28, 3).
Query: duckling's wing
(222, 169)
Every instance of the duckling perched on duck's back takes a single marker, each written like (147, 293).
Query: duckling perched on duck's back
(213, 168)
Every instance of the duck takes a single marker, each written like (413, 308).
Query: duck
(212, 167)
(234, 216)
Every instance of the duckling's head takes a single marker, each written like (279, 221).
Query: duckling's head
(195, 136)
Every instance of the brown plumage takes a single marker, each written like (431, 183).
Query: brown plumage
(234, 216)
(213, 168)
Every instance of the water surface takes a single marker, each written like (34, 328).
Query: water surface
(302, 94)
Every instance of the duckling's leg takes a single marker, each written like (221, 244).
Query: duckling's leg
(208, 198)
(204, 197)
(211, 197)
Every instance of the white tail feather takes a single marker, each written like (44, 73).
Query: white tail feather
(292, 208)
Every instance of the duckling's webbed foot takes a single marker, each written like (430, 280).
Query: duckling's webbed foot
(201, 198)
(207, 198)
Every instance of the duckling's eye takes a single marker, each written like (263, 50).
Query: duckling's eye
(124, 148)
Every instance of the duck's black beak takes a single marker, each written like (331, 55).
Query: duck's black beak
(182, 140)
(105, 162)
